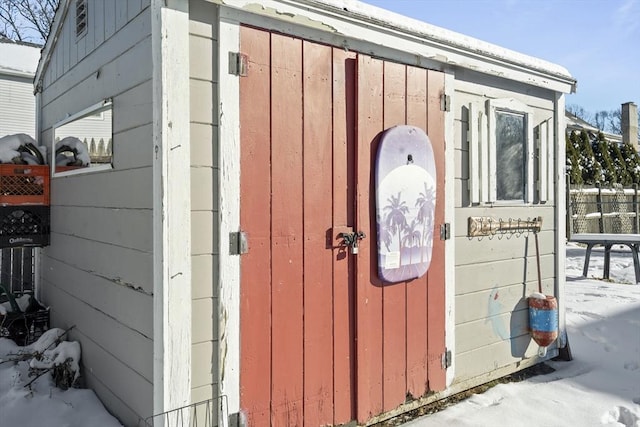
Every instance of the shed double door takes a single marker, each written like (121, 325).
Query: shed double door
(323, 341)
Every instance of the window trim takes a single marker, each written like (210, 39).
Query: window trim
(511, 105)
(93, 109)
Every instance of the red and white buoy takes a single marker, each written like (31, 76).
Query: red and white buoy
(543, 314)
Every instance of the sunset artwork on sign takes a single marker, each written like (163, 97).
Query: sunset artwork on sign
(405, 179)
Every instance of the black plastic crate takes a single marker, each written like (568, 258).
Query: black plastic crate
(23, 327)
(22, 226)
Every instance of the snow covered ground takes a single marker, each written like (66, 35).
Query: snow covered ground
(600, 387)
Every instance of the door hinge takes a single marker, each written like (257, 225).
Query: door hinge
(238, 243)
(445, 231)
(445, 103)
(237, 419)
(238, 64)
(446, 359)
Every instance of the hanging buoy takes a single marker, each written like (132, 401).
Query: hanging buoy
(543, 312)
(543, 320)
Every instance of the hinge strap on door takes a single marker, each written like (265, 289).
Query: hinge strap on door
(446, 359)
(238, 243)
(445, 103)
(238, 64)
(445, 231)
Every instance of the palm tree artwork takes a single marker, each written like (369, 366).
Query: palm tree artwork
(405, 203)
(396, 219)
(426, 204)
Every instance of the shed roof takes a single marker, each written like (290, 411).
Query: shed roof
(352, 12)
(18, 59)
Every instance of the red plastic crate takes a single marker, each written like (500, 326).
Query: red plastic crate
(24, 185)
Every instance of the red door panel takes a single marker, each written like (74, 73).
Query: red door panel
(318, 260)
(323, 341)
(255, 188)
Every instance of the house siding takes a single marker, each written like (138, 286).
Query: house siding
(98, 272)
(17, 105)
(203, 64)
(494, 275)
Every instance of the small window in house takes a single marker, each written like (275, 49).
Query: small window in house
(510, 156)
(81, 18)
(83, 142)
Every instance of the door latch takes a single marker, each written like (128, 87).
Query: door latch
(351, 240)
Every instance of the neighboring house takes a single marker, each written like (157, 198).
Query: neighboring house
(629, 126)
(577, 124)
(18, 63)
(252, 129)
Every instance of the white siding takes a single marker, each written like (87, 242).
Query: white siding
(17, 106)
(204, 198)
(98, 272)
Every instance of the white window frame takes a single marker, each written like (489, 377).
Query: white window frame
(87, 112)
(514, 106)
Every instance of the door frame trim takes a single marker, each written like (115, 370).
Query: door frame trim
(229, 265)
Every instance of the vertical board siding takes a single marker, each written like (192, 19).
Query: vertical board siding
(417, 290)
(394, 294)
(344, 90)
(286, 228)
(368, 294)
(255, 190)
(317, 208)
(323, 341)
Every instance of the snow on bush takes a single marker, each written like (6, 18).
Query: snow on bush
(29, 394)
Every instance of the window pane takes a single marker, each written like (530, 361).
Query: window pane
(510, 157)
(85, 142)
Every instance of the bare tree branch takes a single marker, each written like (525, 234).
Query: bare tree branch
(27, 20)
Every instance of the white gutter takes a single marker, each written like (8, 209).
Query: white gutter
(15, 73)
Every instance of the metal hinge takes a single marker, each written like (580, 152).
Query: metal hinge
(238, 64)
(445, 103)
(446, 359)
(445, 231)
(237, 419)
(238, 243)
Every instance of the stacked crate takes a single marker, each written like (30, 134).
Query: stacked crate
(24, 206)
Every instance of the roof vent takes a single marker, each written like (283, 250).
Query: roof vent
(81, 18)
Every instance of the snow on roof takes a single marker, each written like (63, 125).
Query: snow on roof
(431, 32)
(19, 59)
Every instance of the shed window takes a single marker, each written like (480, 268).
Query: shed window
(83, 141)
(511, 143)
(81, 18)
(506, 164)
(511, 149)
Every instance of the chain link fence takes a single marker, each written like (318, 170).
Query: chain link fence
(612, 210)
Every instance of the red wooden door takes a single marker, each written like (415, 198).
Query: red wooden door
(323, 342)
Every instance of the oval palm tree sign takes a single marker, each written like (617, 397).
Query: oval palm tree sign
(405, 203)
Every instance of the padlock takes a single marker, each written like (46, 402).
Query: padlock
(354, 247)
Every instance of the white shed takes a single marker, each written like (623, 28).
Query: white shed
(202, 258)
